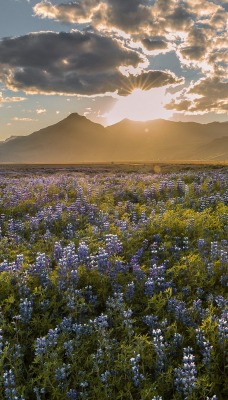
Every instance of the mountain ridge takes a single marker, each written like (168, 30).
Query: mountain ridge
(77, 139)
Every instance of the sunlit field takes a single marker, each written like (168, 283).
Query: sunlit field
(113, 282)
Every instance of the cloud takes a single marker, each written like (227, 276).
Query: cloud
(24, 119)
(10, 99)
(73, 63)
(196, 45)
(126, 15)
(148, 80)
(189, 26)
(154, 43)
(180, 18)
(209, 94)
(41, 111)
(78, 12)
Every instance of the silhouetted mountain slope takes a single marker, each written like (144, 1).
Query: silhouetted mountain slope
(160, 139)
(73, 139)
(217, 149)
(77, 139)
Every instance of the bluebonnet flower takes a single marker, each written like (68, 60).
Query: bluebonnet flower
(44, 304)
(223, 327)
(116, 302)
(4, 266)
(101, 322)
(130, 290)
(186, 291)
(137, 377)
(38, 392)
(204, 346)
(151, 321)
(201, 245)
(102, 261)
(9, 384)
(89, 296)
(68, 232)
(180, 311)
(137, 271)
(83, 252)
(159, 347)
(58, 251)
(82, 329)
(19, 260)
(99, 356)
(104, 376)
(72, 394)
(25, 310)
(69, 259)
(185, 376)
(52, 337)
(224, 280)
(198, 310)
(127, 321)
(47, 235)
(149, 287)
(177, 339)
(65, 325)
(214, 250)
(157, 275)
(1, 342)
(221, 302)
(119, 267)
(23, 289)
(41, 346)
(185, 243)
(62, 373)
(84, 384)
(210, 269)
(69, 347)
(113, 244)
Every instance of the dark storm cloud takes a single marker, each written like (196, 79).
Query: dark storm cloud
(73, 63)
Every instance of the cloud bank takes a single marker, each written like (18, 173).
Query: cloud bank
(74, 63)
(111, 46)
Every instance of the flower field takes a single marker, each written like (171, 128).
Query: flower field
(114, 285)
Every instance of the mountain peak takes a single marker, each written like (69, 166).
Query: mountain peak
(75, 116)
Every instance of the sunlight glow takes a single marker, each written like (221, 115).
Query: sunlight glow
(141, 105)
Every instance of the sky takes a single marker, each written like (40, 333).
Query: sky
(110, 60)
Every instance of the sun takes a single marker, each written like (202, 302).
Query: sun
(140, 105)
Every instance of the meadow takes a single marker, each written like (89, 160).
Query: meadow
(113, 283)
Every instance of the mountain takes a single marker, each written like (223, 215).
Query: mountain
(77, 139)
(74, 139)
(164, 140)
(217, 149)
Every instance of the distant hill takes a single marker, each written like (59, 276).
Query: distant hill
(217, 149)
(77, 139)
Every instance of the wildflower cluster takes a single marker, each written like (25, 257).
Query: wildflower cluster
(113, 285)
